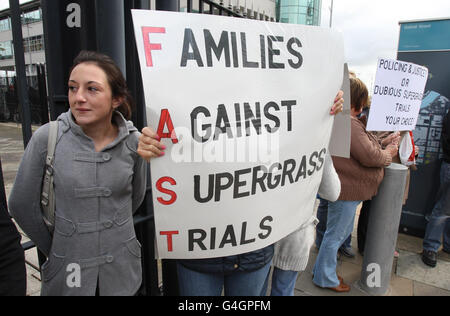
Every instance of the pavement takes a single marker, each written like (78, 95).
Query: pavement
(410, 276)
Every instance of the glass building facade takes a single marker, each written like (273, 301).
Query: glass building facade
(305, 12)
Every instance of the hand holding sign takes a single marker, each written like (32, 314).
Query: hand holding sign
(244, 110)
(149, 145)
(338, 105)
(393, 138)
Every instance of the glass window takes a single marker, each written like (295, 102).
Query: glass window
(31, 17)
(6, 50)
(5, 24)
(33, 44)
(299, 11)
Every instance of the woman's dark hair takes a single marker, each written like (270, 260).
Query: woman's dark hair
(114, 76)
(359, 95)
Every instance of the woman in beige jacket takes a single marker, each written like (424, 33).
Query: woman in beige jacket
(360, 176)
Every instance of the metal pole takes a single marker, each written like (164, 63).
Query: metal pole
(42, 93)
(3, 202)
(331, 14)
(134, 77)
(110, 24)
(21, 75)
(382, 231)
(167, 5)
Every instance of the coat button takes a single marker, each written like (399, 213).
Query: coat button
(106, 157)
(236, 266)
(107, 192)
(109, 259)
(108, 224)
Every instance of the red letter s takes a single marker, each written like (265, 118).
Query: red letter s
(166, 191)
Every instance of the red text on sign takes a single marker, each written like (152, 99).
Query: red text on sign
(150, 46)
(166, 191)
(169, 235)
(166, 120)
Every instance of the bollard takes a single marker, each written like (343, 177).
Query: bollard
(382, 231)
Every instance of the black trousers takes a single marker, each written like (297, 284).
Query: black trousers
(13, 276)
(363, 223)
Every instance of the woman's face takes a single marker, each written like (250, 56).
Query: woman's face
(90, 96)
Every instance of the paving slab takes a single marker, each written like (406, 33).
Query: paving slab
(410, 266)
(421, 289)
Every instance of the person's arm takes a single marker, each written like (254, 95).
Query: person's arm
(25, 199)
(330, 186)
(139, 178)
(367, 152)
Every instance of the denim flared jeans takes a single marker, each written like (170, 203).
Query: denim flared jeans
(322, 214)
(439, 222)
(341, 217)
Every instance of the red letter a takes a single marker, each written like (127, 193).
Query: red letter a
(163, 121)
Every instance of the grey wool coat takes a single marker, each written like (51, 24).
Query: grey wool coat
(96, 196)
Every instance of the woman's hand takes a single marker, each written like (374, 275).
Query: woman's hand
(393, 138)
(392, 149)
(338, 105)
(149, 145)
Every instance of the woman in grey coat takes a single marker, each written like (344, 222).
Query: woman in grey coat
(99, 182)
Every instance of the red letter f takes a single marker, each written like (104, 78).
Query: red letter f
(149, 46)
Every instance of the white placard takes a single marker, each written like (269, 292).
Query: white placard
(397, 96)
(243, 108)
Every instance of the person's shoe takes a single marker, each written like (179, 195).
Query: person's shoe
(341, 288)
(429, 258)
(347, 252)
(341, 279)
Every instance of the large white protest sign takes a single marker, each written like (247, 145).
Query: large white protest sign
(397, 96)
(243, 108)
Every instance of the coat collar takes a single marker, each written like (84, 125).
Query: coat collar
(125, 127)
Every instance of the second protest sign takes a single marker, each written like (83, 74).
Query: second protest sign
(397, 96)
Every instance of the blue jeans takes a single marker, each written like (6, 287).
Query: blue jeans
(341, 217)
(322, 212)
(439, 221)
(193, 283)
(283, 282)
